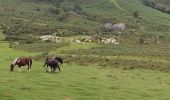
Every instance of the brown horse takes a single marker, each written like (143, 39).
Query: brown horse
(53, 63)
(21, 62)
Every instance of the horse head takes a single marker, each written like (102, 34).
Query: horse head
(12, 67)
(13, 64)
(59, 59)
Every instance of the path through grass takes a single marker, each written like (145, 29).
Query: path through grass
(118, 6)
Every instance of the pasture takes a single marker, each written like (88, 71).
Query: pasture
(91, 71)
(76, 82)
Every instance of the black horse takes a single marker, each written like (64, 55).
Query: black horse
(21, 62)
(53, 63)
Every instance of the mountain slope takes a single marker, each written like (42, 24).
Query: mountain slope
(80, 17)
(162, 5)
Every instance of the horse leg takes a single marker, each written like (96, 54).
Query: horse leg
(59, 68)
(29, 65)
(29, 68)
(48, 68)
(19, 68)
(54, 69)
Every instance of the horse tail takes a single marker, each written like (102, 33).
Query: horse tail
(60, 60)
(30, 63)
(58, 66)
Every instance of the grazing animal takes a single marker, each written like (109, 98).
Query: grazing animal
(21, 62)
(108, 26)
(119, 27)
(53, 63)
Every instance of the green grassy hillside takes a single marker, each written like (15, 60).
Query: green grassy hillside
(76, 82)
(162, 5)
(80, 17)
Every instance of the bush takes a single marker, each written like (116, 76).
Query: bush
(136, 14)
(55, 11)
(162, 5)
(77, 7)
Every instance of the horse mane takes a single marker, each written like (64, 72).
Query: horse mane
(14, 61)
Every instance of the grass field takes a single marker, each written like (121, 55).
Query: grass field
(77, 82)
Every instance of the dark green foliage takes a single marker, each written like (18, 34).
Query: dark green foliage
(162, 5)
(38, 46)
(136, 14)
(114, 62)
(55, 11)
(14, 32)
(77, 7)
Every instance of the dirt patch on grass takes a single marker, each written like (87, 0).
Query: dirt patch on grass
(6, 94)
(24, 88)
(2, 81)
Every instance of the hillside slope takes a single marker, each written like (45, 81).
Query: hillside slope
(79, 17)
(162, 5)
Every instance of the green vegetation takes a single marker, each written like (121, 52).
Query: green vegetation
(39, 17)
(78, 82)
(162, 5)
(1, 35)
(136, 69)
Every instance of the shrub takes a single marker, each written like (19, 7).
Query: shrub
(162, 5)
(136, 14)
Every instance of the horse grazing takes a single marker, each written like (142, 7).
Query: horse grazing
(54, 63)
(21, 62)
